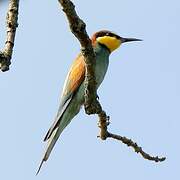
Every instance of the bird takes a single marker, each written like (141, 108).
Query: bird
(104, 42)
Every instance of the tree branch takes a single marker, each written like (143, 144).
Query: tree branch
(104, 134)
(92, 105)
(78, 28)
(11, 23)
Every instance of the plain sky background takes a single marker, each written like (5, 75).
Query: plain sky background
(141, 92)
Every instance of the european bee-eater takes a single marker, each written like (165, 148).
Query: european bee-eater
(104, 43)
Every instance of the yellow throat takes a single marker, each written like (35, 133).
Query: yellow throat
(111, 43)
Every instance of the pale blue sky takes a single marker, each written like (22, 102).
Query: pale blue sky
(141, 92)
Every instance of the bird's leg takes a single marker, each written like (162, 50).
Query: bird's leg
(93, 106)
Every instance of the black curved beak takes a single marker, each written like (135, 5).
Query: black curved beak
(123, 40)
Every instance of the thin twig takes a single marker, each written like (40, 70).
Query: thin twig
(104, 134)
(136, 148)
(92, 105)
(11, 23)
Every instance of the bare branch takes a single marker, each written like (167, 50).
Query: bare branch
(136, 148)
(11, 23)
(92, 105)
(104, 134)
(78, 28)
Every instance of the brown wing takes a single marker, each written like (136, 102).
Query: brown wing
(74, 79)
(75, 76)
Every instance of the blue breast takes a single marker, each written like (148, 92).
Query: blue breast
(102, 62)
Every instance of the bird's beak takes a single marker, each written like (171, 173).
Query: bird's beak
(123, 40)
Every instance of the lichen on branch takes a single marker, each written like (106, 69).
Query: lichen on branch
(12, 24)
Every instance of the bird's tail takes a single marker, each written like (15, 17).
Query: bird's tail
(53, 138)
(51, 142)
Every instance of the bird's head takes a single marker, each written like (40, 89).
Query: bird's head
(109, 39)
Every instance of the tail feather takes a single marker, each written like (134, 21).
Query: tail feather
(58, 118)
(63, 119)
(39, 168)
(51, 142)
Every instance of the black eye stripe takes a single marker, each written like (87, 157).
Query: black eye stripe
(106, 33)
(102, 33)
(111, 34)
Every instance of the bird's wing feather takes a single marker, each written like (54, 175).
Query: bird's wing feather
(74, 79)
